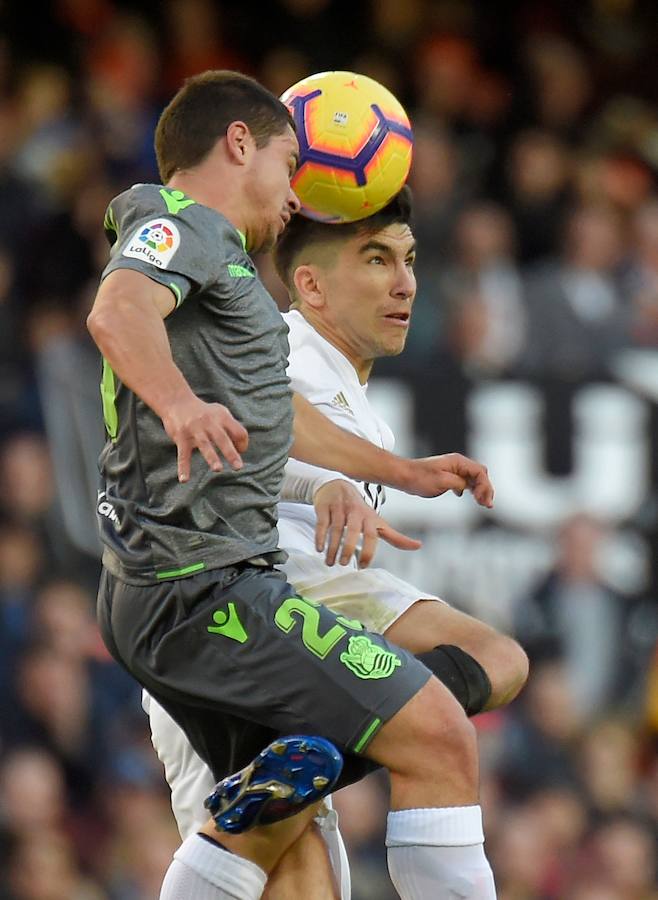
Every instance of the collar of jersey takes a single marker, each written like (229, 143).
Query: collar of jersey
(241, 234)
(338, 355)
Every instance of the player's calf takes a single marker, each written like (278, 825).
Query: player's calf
(304, 872)
(285, 781)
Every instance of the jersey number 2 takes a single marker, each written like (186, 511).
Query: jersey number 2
(319, 645)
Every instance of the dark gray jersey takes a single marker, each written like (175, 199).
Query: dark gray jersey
(230, 342)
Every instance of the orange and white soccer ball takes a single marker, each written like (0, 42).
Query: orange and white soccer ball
(355, 145)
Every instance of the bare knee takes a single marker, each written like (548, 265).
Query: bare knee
(506, 664)
(428, 624)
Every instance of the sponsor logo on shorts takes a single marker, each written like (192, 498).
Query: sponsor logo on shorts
(228, 624)
(156, 242)
(367, 660)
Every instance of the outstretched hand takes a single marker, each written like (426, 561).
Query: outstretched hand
(344, 519)
(434, 475)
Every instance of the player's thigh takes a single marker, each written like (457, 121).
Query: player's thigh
(430, 742)
(426, 623)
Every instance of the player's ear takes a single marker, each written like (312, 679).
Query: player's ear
(239, 142)
(308, 285)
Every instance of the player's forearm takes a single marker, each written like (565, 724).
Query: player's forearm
(319, 441)
(131, 335)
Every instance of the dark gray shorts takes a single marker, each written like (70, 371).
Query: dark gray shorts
(238, 658)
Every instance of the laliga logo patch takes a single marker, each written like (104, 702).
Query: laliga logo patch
(156, 242)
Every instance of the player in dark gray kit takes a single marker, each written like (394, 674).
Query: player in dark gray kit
(195, 354)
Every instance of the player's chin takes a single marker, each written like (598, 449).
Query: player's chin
(392, 346)
(272, 236)
(265, 242)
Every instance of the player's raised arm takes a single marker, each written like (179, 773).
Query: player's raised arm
(319, 441)
(127, 324)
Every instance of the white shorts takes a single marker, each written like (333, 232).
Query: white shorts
(374, 597)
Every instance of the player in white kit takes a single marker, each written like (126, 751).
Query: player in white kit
(352, 290)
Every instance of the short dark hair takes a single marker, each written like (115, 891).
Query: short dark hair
(303, 232)
(202, 110)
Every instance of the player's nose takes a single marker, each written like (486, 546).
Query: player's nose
(405, 282)
(294, 204)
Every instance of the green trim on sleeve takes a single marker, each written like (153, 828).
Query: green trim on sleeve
(108, 396)
(243, 239)
(110, 223)
(176, 292)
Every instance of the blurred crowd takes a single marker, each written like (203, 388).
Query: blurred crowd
(535, 181)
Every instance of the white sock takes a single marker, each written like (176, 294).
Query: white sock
(439, 853)
(327, 820)
(202, 870)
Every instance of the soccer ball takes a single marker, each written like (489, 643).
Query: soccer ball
(355, 145)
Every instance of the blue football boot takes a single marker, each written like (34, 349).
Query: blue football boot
(289, 775)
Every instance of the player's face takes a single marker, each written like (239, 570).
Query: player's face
(370, 292)
(272, 200)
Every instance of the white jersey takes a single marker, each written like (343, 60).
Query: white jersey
(328, 380)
